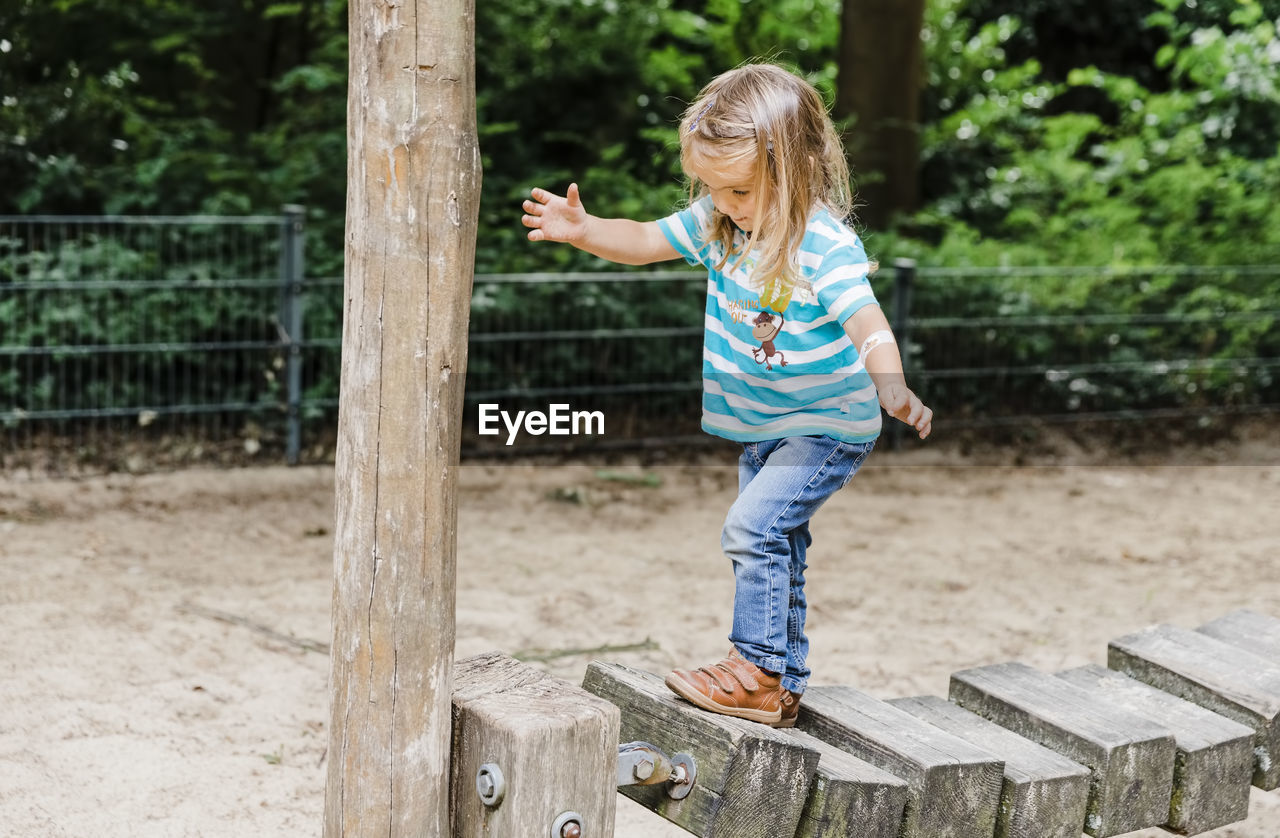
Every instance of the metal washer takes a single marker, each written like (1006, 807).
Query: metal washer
(679, 791)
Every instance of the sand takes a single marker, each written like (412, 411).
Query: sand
(128, 709)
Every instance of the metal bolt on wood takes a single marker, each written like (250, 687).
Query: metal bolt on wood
(491, 785)
(684, 773)
(643, 764)
(568, 825)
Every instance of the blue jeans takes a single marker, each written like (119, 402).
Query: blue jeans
(781, 484)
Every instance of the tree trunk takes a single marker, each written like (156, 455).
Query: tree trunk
(413, 192)
(879, 84)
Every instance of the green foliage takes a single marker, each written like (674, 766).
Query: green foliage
(1182, 174)
(604, 112)
(1172, 162)
(236, 108)
(161, 107)
(1056, 132)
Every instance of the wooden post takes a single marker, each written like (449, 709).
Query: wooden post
(413, 191)
(549, 748)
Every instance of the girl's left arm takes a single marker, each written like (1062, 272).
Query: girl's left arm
(872, 337)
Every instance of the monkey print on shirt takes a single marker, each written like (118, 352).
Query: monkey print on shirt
(764, 329)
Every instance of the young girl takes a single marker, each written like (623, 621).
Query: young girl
(796, 351)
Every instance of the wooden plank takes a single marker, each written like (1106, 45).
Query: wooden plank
(1214, 761)
(849, 798)
(953, 788)
(1131, 757)
(1223, 678)
(752, 780)
(1250, 630)
(1044, 795)
(555, 743)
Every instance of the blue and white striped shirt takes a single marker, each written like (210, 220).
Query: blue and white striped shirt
(767, 375)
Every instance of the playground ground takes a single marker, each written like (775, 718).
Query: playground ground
(128, 709)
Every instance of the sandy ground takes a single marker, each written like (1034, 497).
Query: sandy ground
(126, 710)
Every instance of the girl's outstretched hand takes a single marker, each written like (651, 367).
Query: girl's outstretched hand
(905, 406)
(556, 219)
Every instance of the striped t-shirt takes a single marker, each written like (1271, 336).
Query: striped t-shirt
(767, 375)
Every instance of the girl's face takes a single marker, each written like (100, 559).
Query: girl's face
(732, 187)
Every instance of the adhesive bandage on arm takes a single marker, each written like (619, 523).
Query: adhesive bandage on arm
(873, 340)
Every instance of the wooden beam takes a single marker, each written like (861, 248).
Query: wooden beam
(555, 744)
(1215, 755)
(1045, 795)
(1131, 757)
(752, 781)
(953, 788)
(1251, 631)
(850, 798)
(1223, 678)
(413, 193)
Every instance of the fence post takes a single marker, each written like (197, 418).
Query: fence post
(291, 279)
(904, 277)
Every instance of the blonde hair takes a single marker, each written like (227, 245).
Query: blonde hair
(769, 114)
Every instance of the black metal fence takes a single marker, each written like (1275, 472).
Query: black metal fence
(116, 329)
(195, 333)
(997, 347)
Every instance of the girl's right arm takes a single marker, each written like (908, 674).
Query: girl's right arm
(563, 219)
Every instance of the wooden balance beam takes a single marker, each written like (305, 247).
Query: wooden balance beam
(1171, 735)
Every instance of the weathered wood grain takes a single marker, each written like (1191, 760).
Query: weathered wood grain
(1218, 676)
(849, 798)
(1045, 795)
(953, 787)
(1250, 630)
(413, 197)
(1131, 757)
(556, 744)
(1214, 754)
(752, 780)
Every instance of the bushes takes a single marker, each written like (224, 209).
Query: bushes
(1182, 175)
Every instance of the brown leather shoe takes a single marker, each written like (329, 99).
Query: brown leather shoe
(790, 708)
(736, 687)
